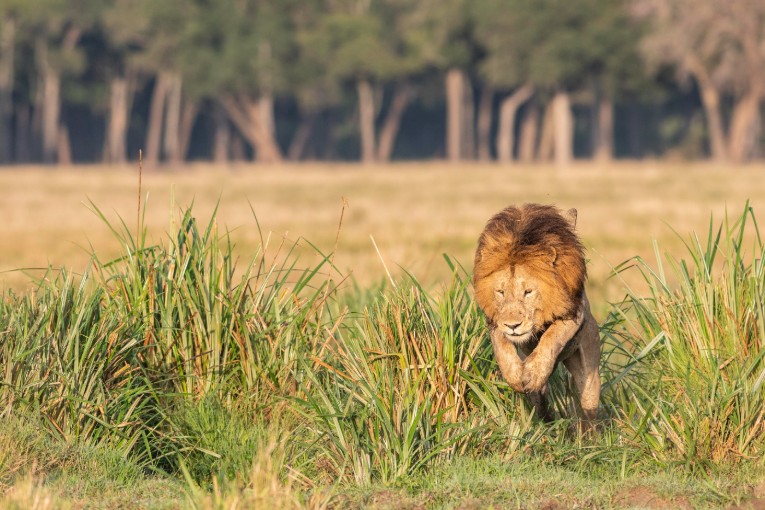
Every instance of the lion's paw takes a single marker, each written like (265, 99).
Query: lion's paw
(516, 384)
(536, 371)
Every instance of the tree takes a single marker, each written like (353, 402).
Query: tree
(252, 46)
(370, 46)
(56, 27)
(721, 45)
(169, 45)
(10, 12)
(509, 45)
(616, 69)
(555, 48)
(124, 28)
(454, 51)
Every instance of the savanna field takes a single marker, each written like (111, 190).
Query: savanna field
(306, 336)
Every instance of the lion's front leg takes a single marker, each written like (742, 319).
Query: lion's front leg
(541, 407)
(509, 362)
(539, 365)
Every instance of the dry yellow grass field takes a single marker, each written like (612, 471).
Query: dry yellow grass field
(415, 211)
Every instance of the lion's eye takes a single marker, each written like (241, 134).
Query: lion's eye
(500, 292)
(527, 292)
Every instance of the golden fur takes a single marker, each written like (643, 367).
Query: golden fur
(542, 240)
(529, 280)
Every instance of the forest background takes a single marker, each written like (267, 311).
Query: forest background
(375, 80)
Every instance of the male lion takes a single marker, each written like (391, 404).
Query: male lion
(529, 281)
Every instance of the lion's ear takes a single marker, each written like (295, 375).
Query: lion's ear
(570, 217)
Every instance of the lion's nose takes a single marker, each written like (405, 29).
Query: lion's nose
(512, 325)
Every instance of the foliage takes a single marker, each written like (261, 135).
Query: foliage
(258, 381)
(406, 384)
(305, 55)
(696, 396)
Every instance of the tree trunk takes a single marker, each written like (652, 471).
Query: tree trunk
(746, 113)
(266, 109)
(188, 120)
(119, 113)
(51, 112)
(563, 124)
(485, 112)
(401, 97)
(603, 135)
(468, 119)
(36, 121)
(51, 105)
(754, 147)
(152, 155)
(63, 148)
(173, 118)
(301, 138)
(266, 147)
(51, 94)
(366, 120)
(528, 136)
(222, 136)
(246, 116)
(710, 100)
(7, 50)
(454, 115)
(546, 147)
(265, 102)
(506, 130)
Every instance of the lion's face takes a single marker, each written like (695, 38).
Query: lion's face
(529, 270)
(519, 303)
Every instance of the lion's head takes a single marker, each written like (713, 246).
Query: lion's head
(529, 269)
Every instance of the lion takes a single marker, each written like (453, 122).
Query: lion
(529, 277)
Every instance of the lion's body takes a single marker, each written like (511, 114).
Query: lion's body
(529, 280)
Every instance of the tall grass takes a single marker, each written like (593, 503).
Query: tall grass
(107, 357)
(407, 382)
(185, 359)
(66, 357)
(211, 324)
(696, 396)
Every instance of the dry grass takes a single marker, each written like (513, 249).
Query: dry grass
(415, 211)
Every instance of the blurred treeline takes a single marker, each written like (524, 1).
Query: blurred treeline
(527, 80)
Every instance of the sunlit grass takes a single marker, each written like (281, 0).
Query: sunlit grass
(254, 379)
(697, 396)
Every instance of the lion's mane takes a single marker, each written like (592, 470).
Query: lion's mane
(543, 240)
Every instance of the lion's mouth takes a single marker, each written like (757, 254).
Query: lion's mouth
(517, 337)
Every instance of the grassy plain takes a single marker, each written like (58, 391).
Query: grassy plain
(168, 383)
(415, 211)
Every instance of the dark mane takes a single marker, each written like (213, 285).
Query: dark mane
(538, 236)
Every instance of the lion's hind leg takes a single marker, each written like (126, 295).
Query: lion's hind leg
(583, 364)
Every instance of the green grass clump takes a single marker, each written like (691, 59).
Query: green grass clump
(108, 358)
(214, 326)
(67, 357)
(696, 397)
(255, 380)
(409, 381)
